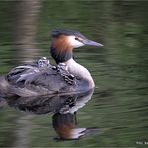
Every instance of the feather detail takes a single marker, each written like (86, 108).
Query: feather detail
(61, 50)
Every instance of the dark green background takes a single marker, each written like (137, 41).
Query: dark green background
(119, 106)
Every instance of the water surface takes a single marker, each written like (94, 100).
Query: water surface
(118, 106)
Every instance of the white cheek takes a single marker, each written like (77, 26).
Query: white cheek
(75, 43)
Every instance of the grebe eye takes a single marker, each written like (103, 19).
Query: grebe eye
(76, 38)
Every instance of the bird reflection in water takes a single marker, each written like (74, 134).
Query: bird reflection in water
(64, 107)
(66, 127)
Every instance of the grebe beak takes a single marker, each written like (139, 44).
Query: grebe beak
(91, 43)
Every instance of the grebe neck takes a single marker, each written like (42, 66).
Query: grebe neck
(80, 72)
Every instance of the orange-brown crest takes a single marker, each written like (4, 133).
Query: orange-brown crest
(61, 44)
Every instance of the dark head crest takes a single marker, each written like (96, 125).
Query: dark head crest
(57, 32)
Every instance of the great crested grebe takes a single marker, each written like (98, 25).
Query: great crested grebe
(44, 78)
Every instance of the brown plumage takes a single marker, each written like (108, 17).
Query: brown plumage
(61, 49)
(61, 44)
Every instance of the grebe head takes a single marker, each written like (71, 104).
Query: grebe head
(64, 41)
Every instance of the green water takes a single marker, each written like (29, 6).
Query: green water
(119, 105)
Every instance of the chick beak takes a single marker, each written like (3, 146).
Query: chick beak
(91, 43)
